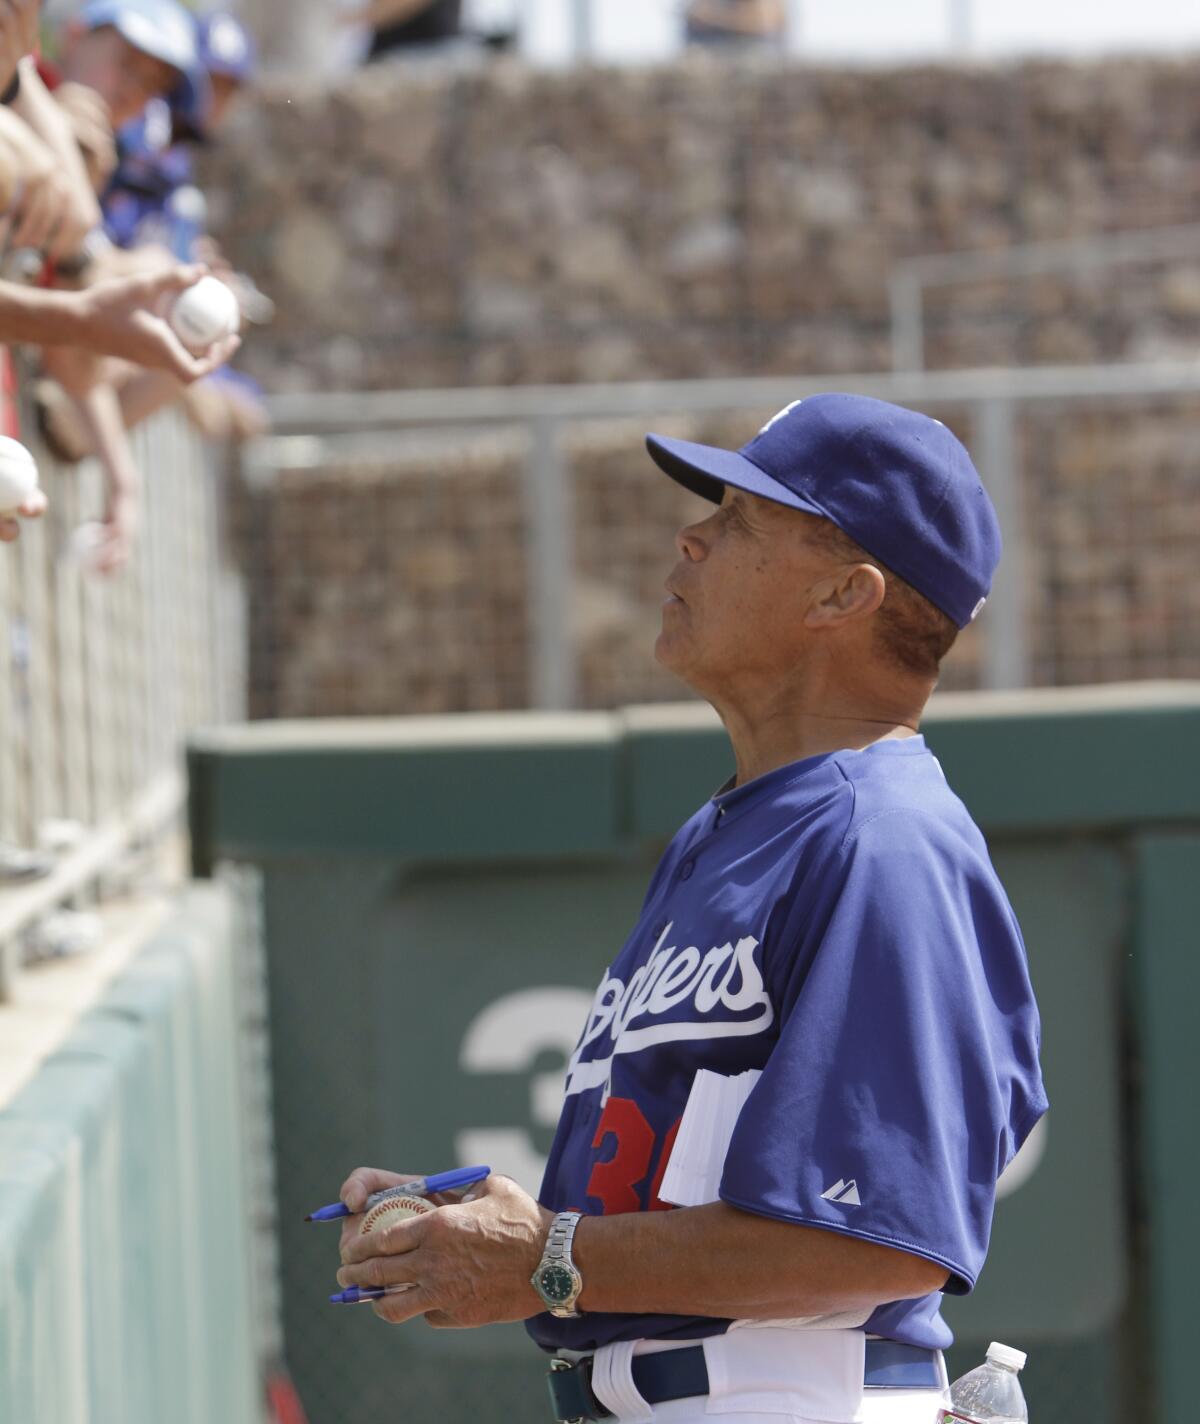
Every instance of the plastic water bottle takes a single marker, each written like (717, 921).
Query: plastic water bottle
(990, 1393)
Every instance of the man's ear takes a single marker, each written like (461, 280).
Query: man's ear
(854, 592)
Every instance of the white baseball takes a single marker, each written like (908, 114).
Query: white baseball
(203, 313)
(391, 1210)
(18, 474)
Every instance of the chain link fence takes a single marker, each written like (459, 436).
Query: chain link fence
(101, 678)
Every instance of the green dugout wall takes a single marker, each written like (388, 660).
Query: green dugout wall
(440, 897)
(125, 1284)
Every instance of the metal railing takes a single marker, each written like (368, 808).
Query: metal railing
(582, 22)
(991, 399)
(909, 280)
(100, 678)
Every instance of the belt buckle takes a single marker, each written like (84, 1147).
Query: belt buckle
(557, 1365)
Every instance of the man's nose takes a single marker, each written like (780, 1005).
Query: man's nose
(690, 543)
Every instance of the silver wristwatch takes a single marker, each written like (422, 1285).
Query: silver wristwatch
(556, 1279)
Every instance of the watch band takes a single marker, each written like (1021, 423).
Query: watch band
(562, 1233)
(557, 1252)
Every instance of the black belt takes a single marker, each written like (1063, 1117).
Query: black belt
(679, 1374)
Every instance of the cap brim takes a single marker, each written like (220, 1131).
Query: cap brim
(144, 37)
(706, 470)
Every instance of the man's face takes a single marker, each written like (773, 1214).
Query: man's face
(225, 92)
(739, 592)
(124, 77)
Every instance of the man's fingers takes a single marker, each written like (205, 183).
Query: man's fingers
(439, 1320)
(174, 279)
(406, 1305)
(350, 1229)
(363, 1181)
(31, 508)
(168, 353)
(356, 1189)
(216, 357)
(384, 1270)
(68, 236)
(34, 222)
(111, 553)
(396, 1240)
(359, 1185)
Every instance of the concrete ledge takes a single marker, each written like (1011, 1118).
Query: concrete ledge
(486, 787)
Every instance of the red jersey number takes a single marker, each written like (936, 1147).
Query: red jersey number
(614, 1182)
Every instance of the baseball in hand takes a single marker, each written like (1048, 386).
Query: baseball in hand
(18, 474)
(204, 313)
(391, 1210)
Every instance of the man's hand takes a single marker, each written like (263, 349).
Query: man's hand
(79, 211)
(126, 317)
(117, 534)
(53, 213)
(91, 125)
(358, 1186)
(364, 1182)
(467, 1264)
(18, 34)
(33, 508)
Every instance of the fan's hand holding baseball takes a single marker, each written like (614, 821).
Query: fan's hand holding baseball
(123, 318)
(467, 1264)
(33, 507)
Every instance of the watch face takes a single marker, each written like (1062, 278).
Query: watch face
(556, 1283)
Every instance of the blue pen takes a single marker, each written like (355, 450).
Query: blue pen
(357, 1295)
(419, 1187)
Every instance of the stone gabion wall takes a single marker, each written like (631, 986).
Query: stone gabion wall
(439, 224)
(433, 224)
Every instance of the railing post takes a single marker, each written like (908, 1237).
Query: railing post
(905, 297)
(1006, 648)
(549, 540)
(581, 30)
(961, 28)
(794, 26)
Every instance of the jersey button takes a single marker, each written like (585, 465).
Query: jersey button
(685, 870)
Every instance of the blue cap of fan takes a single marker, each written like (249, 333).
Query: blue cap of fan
(160, 28)
(897, 482)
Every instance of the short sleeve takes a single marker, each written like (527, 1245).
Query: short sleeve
(905, 1075)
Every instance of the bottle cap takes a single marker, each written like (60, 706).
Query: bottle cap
(1006, 1355)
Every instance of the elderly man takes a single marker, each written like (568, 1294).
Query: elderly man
(829, 922)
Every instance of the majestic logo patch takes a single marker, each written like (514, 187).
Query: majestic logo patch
(622, 1018)
(843, 1192)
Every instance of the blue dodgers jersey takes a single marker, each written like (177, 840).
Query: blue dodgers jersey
(837, 924)
(152, 169)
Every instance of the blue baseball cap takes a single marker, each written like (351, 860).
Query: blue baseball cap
(160, 28)
(222, 47)
(897, 482)
(225, 46)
